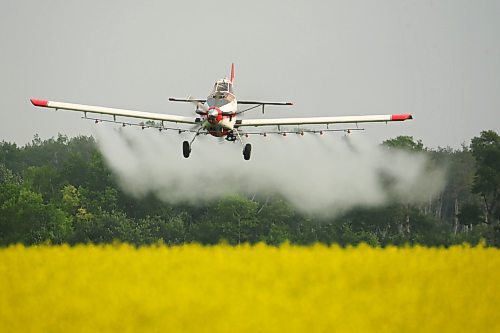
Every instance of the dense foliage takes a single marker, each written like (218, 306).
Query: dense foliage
(60, 190)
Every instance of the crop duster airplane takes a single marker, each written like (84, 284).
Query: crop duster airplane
(217, 115)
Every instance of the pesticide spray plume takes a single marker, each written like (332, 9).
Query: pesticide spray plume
(320, 175)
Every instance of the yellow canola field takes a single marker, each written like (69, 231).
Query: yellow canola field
(119, 288)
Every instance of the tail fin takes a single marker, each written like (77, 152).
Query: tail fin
(232, 72)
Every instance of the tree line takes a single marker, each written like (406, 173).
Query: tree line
(61, 191)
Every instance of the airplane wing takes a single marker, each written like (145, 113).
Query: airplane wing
(191, 100)
(114, 112)
(322, 120)
(173, 99)
(264, 103)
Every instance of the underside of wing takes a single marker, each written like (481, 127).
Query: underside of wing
(323, 120)
(113, 112)
(263, 103)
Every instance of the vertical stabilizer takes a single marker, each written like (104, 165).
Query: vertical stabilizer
(232, 72)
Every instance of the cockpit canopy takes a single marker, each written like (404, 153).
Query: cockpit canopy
(222, 93)
(223, 87)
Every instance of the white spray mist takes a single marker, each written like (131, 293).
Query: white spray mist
(321, 175)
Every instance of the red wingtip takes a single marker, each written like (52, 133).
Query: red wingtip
(401, 117)
(39, 102)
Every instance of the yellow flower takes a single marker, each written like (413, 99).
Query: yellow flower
(261, 288)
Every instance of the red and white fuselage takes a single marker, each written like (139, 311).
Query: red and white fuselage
(221, 108)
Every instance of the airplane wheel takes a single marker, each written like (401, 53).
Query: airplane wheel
(186, 149)
(246, 151)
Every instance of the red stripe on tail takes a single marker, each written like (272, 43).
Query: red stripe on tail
(232, 72)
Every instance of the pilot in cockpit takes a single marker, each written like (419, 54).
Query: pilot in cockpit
(222, 89)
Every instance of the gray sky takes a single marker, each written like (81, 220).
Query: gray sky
(439, 60)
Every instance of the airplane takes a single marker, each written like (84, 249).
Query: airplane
(217, 116)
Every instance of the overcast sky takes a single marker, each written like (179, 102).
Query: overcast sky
(439, 60)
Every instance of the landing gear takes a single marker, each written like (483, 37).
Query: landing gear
(186, 145)
(248, 147)
(186, 149)
(247, 151)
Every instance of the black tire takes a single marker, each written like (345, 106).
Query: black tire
(186, 149)
(247, 151)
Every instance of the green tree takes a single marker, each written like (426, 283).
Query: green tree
(7, 176)
(173, 231)
(10, 156)
(70, 201)
(43, 179)
(99, 200)
(470, 214)
(486, 151)
(25, 218)
(460, 166)
(273, 221)
(350, 237)
(404, 142)
(232, 219)
(103, 227)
